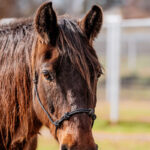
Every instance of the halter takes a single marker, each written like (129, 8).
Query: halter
(67, 115)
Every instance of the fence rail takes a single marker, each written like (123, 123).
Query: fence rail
(114, 26)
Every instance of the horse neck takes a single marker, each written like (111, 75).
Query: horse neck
(16, 77)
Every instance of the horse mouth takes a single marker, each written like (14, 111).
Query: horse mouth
(65, 147)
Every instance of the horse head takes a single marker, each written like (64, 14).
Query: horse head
(66, 70)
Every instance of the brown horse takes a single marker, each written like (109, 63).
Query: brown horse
(48, 67)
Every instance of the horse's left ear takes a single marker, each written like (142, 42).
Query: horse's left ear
(92, 22)
(46, 24)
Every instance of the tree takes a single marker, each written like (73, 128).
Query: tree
(8, 8)
(17, 8)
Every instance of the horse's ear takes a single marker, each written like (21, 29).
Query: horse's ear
(92, 22)
(46, 24)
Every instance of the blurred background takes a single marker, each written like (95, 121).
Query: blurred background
(123, 48)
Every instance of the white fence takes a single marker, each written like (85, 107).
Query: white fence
(114, 26)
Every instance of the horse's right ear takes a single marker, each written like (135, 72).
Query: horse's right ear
(46, 24)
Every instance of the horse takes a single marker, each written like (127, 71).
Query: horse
(48, 76)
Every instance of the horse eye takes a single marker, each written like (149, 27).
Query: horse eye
(48, 75)
(48, 55)
(99, 74)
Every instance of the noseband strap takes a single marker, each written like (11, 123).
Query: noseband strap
(67, 115)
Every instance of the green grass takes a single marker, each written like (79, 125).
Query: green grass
(123, 145)
(121, 127)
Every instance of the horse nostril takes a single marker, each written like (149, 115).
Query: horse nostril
(64, 147)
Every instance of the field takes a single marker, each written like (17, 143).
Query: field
(132, 132)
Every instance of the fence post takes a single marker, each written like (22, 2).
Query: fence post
(113, 64)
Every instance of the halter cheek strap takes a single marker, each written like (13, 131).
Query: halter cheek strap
(67, 115)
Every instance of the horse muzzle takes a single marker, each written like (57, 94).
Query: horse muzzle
(66, 147)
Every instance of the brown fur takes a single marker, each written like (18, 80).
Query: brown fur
(24, 51)
(15, 83)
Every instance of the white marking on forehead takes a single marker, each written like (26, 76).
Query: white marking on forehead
(71, 100)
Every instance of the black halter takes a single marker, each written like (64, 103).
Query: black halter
(67, 115)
